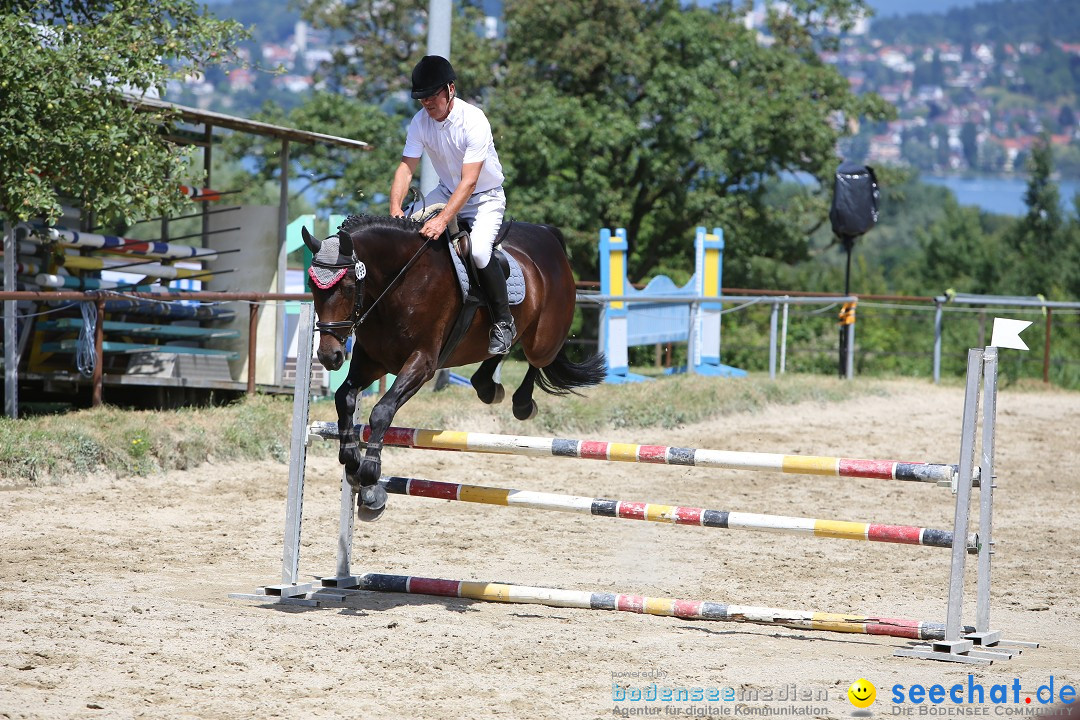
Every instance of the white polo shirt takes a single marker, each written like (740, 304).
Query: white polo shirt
(463, 137)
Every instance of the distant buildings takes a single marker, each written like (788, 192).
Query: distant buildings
(960, 108)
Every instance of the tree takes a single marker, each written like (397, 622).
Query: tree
(1039, 236)
(958, 253)
(67, 125)
(1072, 254)
(969, 138)
(657, 118)
(1066, 118)
(941, 149)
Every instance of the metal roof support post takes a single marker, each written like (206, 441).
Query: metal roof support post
(11, 334)
(283, 226)
(207, 168)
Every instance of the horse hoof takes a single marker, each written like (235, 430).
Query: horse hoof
(525, 412)
(371, 503)
(370, 471)
(491, 395)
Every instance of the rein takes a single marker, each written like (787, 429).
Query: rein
(428, 243)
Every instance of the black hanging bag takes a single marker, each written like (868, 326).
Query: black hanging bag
(855, 200)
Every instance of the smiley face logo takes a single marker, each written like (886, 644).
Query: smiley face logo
(862, 693)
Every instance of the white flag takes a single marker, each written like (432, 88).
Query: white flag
(1006, 333)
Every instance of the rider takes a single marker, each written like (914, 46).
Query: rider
(458, 139)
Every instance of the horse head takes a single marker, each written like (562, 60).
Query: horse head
(336, 280)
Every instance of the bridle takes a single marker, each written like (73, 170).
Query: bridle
(355, 318)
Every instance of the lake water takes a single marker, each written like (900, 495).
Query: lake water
(1000, 195)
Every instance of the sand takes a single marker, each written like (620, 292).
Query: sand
(115, 592)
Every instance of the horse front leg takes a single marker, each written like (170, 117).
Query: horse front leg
(416, 371)
(362, 372)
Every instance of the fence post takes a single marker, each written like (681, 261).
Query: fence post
(253, 331)
(783, 338)
(99, 354)
(614, 316)
(1046, 346)
(937, 340)
(850, 360)
(772, 340)
(693, 339)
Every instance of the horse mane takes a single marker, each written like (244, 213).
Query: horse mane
(356, 224)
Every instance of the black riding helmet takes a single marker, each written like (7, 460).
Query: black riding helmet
(431, 75)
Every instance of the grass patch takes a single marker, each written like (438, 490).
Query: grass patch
(47, 448)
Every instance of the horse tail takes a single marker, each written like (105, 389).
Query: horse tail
(563, 375)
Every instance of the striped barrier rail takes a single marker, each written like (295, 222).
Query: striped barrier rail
(424, 439)
(152, 269)
(149, 248)
(674, 514)
(669, 607)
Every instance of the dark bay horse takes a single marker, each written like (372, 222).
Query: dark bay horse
(380, 280)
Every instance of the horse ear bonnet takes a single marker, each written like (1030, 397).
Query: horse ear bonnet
(330, 254)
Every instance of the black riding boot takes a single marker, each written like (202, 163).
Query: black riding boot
(502, 330)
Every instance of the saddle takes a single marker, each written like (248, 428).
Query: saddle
(473, 296)
(457, 234)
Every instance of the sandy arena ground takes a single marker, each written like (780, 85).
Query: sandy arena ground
(114, 593)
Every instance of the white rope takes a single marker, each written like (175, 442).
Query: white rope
(85, 357)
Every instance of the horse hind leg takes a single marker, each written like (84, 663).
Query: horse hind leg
(483, 381)
(524, 405)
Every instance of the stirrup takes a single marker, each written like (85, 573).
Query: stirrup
(502, 337)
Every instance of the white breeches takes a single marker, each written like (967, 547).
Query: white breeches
(485, 210)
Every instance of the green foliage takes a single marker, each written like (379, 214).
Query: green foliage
(657, 118)
(958, 253)
(1051, 74)
(67, 126)
(1040, 236)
